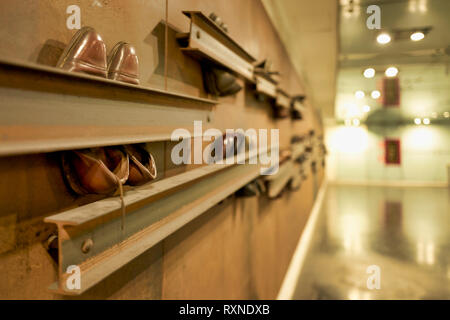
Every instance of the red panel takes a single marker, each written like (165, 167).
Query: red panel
(392, 151)
(391, 92)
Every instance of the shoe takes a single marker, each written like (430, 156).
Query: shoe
(96, 171)
(123, 64)
(234, 144)
(284, 156)
(280, 112)
(252, 189)
(249, 190)
(85, 53)
(142, 165)
(219, 82)
(295, 114)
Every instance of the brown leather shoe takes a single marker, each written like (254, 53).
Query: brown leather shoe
(85, 53)
(142, 165)
(123, 63)
(97, 170)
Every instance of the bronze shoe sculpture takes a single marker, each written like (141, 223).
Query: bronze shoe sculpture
(97, 170)
(219, 82)
(85, 53)
(123, 64)
(142, 165)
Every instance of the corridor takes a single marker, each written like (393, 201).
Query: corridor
(402, 230)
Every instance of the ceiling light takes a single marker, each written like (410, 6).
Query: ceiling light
(446, 114)
(369, 73)
(417, 36)
(366, 108)
(417, 121)
(426, 121)
(359, 94)
(383, 38)
(391, 72)
(375, 94)
(356, 122)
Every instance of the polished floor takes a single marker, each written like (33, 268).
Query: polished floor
(379, 243)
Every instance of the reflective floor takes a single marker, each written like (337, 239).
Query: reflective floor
(396, 239)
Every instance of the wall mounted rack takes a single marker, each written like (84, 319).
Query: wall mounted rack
(282, 105)
(153, 212)
(297, 150)
(206, 40)
(277, 182)
(297, 105)
(297, 177)
(49, 109)
(283, 100)
(266, 86)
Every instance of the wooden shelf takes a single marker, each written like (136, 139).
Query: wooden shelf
(45, 109)
(207, 41)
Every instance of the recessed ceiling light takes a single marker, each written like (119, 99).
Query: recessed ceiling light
(375, 94)
(383, 38)
(366, 108)
(359, 94)
(446, 114)
(391, 72)
(417, 121)
(369, 73)
(426, 121)
(417, 36)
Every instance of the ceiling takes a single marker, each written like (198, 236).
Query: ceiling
(423, 65)
(308, 30)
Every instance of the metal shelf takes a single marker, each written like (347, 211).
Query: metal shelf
(45, 109)
(265, 86)
(283, 100)
(207, 41)
(9, 68)
(277, 182)
(153, 212)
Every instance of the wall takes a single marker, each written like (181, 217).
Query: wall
(356, 154)
(240, 248)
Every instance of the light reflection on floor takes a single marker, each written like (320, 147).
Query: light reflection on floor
(404, 231)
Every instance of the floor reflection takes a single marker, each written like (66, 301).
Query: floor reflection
(403, 231)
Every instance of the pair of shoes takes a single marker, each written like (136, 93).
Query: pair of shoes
(219, 82)
(280, 112)
(296, 115)
(233, 144)
(86, 53)
(218, 21)
(105, 170)
(229, 146)
(252, 189)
